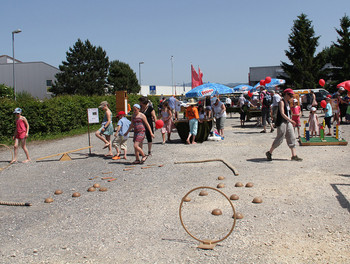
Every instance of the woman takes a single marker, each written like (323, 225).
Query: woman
(219, 112)
(106, 129)
(284, 124)
(193, 117)
(148, 111)
(138, 123)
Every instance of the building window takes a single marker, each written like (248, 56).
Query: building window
(48, 82)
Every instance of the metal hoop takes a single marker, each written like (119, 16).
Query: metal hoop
(11, 155)
(188, 232)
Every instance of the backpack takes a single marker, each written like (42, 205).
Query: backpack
(267, 101)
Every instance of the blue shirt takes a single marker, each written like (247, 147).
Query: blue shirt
(328, 110)
(124, 124)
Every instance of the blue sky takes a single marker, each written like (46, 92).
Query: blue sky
(224, 38)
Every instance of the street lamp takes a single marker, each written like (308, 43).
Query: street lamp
(141, 62)
(13, 59)
(172, 75)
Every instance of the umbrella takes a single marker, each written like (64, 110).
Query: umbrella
(274, 82)
(209, 89)
(242, 88)
(345, 85)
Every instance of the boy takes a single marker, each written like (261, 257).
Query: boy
(120, 140)
(328, 115)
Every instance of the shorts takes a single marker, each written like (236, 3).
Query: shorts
(328, 120)
(220, 122)
(193, 123)
(242, 116)
(347, 117)
(119, 141)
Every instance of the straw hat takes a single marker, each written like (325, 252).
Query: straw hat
(191, 102)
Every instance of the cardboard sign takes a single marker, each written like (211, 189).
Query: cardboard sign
(93, 116)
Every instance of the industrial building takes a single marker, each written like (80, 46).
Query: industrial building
(35, 78)
(259, 73)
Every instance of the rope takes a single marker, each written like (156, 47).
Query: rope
(15, 204)
(233, 169)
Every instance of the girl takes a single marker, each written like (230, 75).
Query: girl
(106, 129)
(139, 124)
(201, 113)
(296, 116)
(167, 117)
(20, 135)
(148, 111)
(313, 122)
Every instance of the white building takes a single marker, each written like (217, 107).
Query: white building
(33, 77)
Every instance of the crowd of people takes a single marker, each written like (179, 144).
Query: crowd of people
(279, 111)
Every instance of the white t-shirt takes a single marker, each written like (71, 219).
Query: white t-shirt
(217, 110)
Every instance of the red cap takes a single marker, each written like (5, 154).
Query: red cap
(121, 113)
(288, 90)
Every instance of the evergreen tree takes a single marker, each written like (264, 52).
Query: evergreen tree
(84, 72)
(305, 70)
(122, 78)
(341, 54)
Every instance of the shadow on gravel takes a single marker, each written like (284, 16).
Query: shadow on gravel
(344, 175)
(340, 196)
(245, 132)
(265, 160)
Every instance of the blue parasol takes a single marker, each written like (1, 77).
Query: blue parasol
(242, 88)
(209, 89)
(274, 82)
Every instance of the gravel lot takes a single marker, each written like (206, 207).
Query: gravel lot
(304, 217)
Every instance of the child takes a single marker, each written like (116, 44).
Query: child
(328, 115)
(106, 128)
(296, 115)
(313, 122)
(243, 111)
(20, 135)
(167, 117)
(120, 140)
(347, 116)
(201, 113)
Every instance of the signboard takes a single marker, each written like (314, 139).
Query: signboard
(152, 89)
(93, 115)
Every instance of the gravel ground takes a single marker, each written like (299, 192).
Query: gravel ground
(304, 216)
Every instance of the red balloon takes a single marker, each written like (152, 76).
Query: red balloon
(262, 82)
(250, 94)
(159, 124)
(268, 79)
(323, 104)
(321, 82)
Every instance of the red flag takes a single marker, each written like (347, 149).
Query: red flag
(200, 75)
(195, 77)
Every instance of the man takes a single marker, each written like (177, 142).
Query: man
(265, 101)
(172, 101)
(228, 103)
(276, 98)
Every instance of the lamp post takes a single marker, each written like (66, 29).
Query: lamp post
(141, 62)
(13, 59)
(172, 75)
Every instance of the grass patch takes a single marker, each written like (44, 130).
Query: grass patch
(45, 137)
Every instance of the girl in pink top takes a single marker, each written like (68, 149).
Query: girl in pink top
(296, 115)
(167, 117)
(313, 122)
(20, 135)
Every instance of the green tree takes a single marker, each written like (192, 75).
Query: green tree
(341, 53)
(84, 72)
(305, 68)
(122, 78)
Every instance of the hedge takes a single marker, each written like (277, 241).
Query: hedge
(55, 115)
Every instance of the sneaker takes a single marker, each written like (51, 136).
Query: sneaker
(268, 155)
(263, 131)
(296, 158)
(115, 157)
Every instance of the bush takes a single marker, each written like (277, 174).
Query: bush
(56, 115)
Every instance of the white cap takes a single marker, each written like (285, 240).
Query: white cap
(313, 109)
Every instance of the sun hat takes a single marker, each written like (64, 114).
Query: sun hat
(191, 102)
(103, 104)
(313, 109)
(17, 111)
(121, 113)
(214, 99)
(137, 106)
(289, 91)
